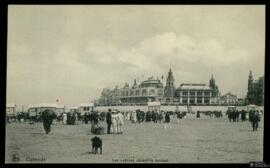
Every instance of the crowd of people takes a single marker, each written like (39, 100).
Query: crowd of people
(254, 117)
(115, 119)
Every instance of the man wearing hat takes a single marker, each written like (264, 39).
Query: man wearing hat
(109, 121)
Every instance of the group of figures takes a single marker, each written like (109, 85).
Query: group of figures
(115, 122)
(115, 118)
(254, 117)
(69, 118)
(217, 114)
(139, 116)
(154, 116)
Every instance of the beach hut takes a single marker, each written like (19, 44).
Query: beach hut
(86, 108)
(33, 110)
(60, 109)
(11, 111)
(48, 106)
(74, 109)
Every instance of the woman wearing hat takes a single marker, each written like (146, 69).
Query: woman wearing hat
(120, 122)
(114, 122)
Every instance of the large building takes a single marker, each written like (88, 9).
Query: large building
(149, 90)
(255, 94)
(153, 90)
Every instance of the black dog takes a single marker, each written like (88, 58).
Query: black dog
(96, 143)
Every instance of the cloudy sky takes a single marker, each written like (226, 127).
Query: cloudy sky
(71, 53)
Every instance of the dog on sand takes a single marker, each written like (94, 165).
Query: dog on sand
(96, 143)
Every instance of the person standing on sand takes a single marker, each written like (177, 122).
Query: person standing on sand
(114, 122)
(255, 120)
(167, 120)
(64, 118)
(109, 121)
(134, 117)
(120, 122)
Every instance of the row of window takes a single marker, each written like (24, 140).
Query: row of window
(192, 93)
(143, 93)
(198, 101)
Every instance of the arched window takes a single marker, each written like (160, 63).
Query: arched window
(126, 93)
(137, 92)
(131, 93)
(152, 92)
(144, 92)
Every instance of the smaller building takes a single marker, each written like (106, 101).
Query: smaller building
(229, 99)
(36, 109)
(60, 109)
(74, 109)
(11, 109)
(86, 108)
(194, 94)
(240, 101)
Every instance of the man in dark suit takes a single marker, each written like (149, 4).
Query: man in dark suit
(109, 121)
(255, 120)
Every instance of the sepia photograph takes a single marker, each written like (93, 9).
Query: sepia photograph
(135, 84)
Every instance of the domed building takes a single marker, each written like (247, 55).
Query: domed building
(149, 90)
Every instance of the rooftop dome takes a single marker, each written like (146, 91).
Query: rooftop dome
(152, 83)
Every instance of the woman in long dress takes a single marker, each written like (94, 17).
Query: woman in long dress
(120, 122)
(64, 118)
(114, 122)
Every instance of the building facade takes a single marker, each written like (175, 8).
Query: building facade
(11, 109)
(198, 94)
(194, 94)
(109, 97)
(229, 99)
(152, 90)
(255, 93)
(86, 108)
(36, 109)
(149, 90)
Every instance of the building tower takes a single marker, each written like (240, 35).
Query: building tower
(212, 83)
(135, 84)
(250, 93)
(169, 88)
(213, 86)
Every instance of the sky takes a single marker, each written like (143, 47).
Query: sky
(71, 53)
